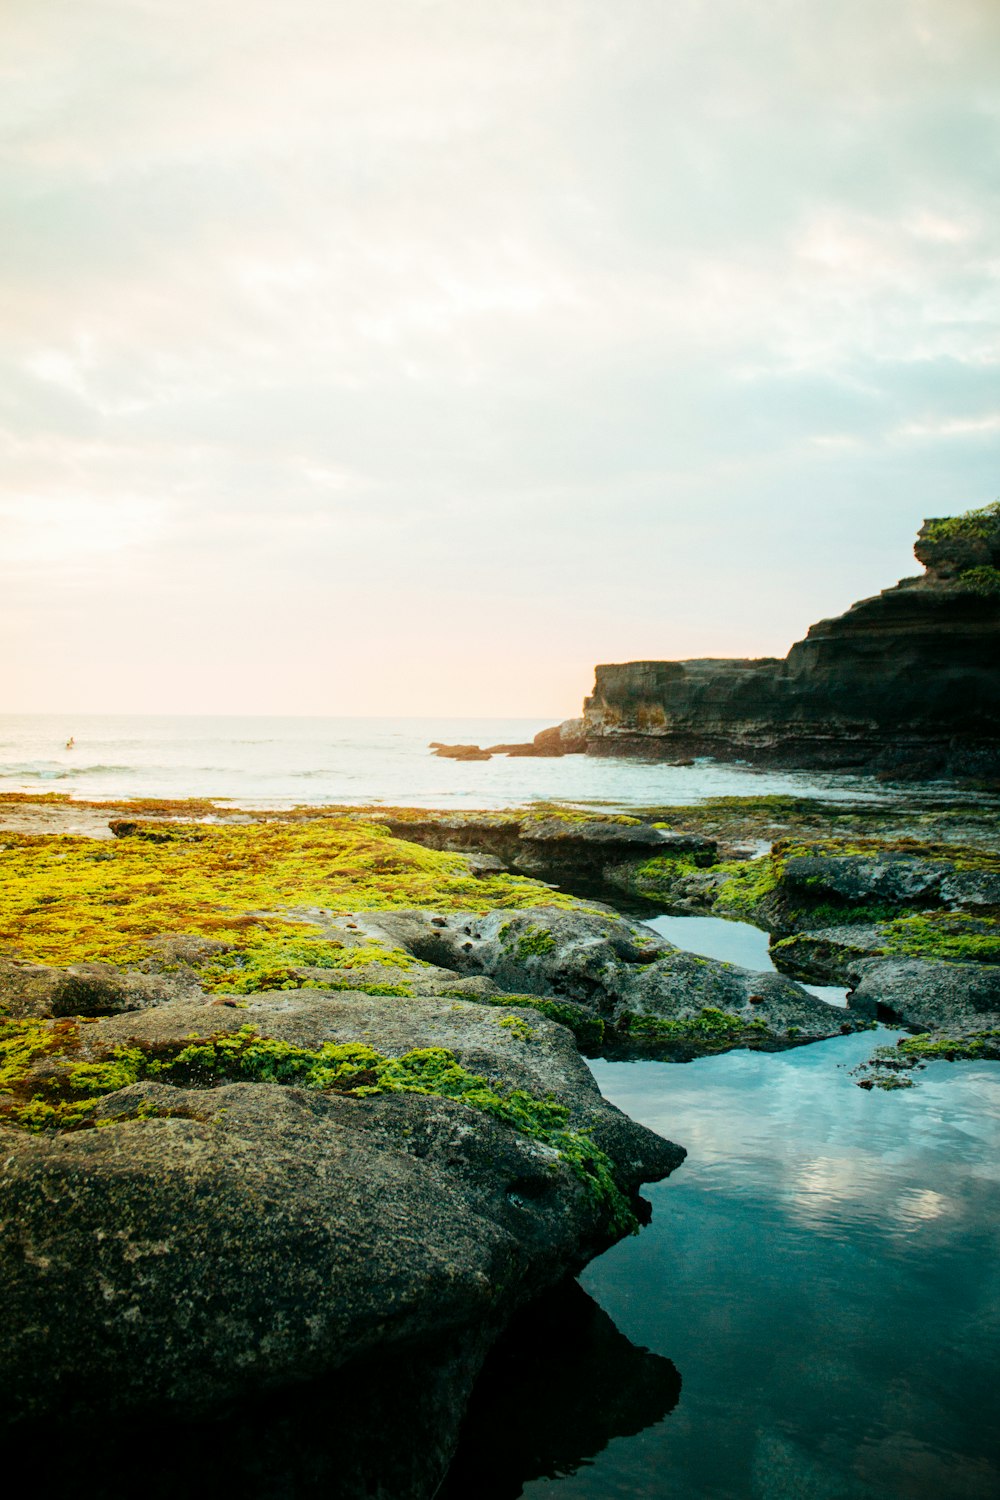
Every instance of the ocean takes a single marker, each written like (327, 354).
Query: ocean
(282, 762)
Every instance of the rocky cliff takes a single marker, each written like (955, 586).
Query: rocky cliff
(905, 683)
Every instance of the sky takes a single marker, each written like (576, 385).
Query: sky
(413, 356)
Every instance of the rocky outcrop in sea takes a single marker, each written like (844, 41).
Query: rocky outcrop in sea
(905, 684)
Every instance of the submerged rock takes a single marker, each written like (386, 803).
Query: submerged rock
(891, 1067)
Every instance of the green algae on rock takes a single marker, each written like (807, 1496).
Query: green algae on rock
(890, 1067)
(63, 1095)
(271, 1191)
(710, 1030)
(67, 900)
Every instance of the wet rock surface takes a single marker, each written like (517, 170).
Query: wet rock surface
(620, 970)
(216, 1241)
(929, 995)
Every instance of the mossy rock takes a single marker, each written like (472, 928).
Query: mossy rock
(67, 900)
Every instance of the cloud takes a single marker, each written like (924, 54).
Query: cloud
(667, 323)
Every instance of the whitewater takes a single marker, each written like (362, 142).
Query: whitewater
(283, 762)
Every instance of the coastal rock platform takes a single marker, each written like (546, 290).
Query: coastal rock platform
(294, 1109)
(218, 1237)
(905, 684)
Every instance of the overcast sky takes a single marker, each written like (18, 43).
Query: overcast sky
(415, 355)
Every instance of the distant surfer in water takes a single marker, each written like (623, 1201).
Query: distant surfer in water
(71, 743)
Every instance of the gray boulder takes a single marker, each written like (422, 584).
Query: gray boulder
(886, 876)
(576, 847)
(829, 955)
(893, 876)
(215, 1243)
(617, 968)
(929, 995)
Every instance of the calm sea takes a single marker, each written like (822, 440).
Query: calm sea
(279, 762)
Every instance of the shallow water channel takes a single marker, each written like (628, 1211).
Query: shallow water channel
(735, 942)
(820, 1283)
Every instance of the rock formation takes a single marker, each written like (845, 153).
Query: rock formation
(261, 1150)
(548, 744)
(905, 684)
(215, 1234)
(649, 994)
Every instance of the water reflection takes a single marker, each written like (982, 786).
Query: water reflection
(717, 937)
(733, 942)
(823, 1268)
(560, 1385)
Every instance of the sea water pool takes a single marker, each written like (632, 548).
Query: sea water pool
(818, 1292)
(821, 1272)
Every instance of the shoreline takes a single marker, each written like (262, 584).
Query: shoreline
(261, 994)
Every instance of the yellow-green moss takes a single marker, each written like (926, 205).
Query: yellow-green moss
(948, 935)
(588, 1029)
(518, 1026)
(660, 875)
(65, 1099)
(890, 1067)
(280, 961)
(544, 812)
(746, 884)
(929, 1046)
(67, 899)
(535, 944)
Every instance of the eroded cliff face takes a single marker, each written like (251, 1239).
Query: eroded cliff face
(905, 683)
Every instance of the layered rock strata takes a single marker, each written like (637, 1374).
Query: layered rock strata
(905, 684)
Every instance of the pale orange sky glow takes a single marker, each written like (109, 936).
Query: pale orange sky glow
(412, 358)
